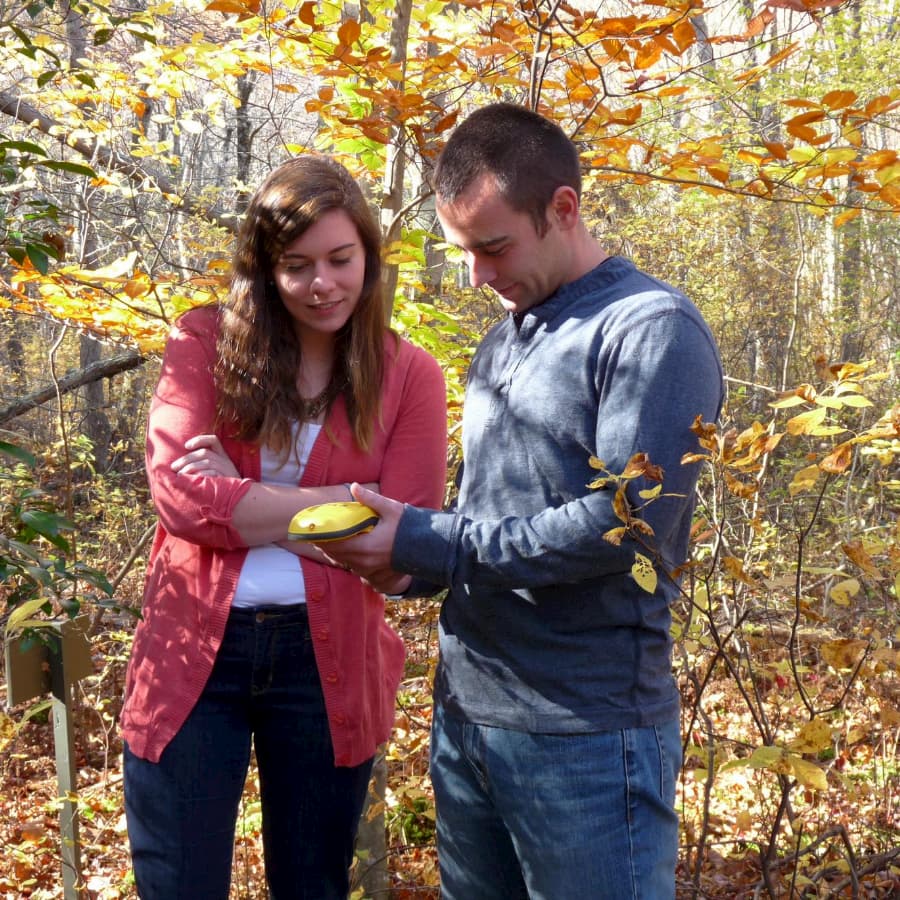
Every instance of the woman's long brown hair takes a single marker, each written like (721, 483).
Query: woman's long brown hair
(258, 352)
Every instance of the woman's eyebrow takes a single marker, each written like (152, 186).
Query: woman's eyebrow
(296, 255)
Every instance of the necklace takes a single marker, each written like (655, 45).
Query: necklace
(311, 409)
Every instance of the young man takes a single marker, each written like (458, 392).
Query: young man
(555, 742)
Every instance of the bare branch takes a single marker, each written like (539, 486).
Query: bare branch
(103, 368)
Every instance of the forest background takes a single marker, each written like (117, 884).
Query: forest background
(745, 152)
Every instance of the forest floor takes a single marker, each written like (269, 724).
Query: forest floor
(858, 825)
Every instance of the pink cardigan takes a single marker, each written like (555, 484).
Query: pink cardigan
(197, 554)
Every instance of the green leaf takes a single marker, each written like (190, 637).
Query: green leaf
(25, 550)
(39, 257)
(37, 709)
(94, 577)
(40, 575)
(86, 79)
(19, 453)
(142, 35)
(46, 523)
(23, 147)
(60, 165)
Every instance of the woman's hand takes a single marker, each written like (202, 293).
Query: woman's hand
(310, 551)
(205, 456)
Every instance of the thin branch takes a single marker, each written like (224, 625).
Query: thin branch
(102, 368)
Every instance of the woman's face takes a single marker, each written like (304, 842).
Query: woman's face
(320, 276)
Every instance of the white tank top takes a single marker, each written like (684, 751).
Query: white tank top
(271, 575)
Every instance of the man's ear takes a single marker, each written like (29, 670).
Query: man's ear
(564, 207)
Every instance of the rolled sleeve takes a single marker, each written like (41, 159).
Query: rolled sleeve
(196, 508)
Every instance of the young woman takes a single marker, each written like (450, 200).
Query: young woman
(269, 404)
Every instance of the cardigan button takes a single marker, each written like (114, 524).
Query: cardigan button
(322, 635)
(331, 678)
(314, 595)
(339, 719)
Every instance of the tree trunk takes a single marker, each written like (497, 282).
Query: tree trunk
(371, 840)
(94, 422)
(395, 167)
(243, 138)
(850, 248)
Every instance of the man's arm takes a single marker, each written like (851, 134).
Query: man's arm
(649, 404)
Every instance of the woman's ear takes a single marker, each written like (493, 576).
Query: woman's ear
(564, 207)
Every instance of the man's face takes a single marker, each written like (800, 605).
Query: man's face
(502, 248)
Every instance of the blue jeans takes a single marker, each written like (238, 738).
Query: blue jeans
(555, 816)
(182, 811)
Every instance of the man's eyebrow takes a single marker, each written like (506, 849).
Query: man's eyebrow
(490, 242)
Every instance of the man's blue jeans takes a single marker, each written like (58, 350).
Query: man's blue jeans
(555, 816)
(182, 811)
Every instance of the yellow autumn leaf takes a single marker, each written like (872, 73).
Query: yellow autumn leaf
(349, 32)
(812, 737)
(233, 7)
(843, 591)
(742, 489)
(839, 99)
(809, 774)
(805, 422)
(785, 402)
(7, 730)
(839, 155)
(803, 480)
(620, 506)
(772, 758)
(20, 617)
(858, 554)
(115, 271)
(856, 400)
(643, 573)
(838, 460)
(843, 653)
(735, 569)
(845, 217)
(888, 174)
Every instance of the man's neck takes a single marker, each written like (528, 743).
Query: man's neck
(587, 255)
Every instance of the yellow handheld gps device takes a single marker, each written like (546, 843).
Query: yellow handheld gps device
(332, 521)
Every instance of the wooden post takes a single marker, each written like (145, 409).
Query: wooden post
(54, 665)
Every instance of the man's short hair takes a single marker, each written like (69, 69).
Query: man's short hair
(529, 156)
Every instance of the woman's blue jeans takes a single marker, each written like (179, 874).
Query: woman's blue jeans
(555, 816)
(182, 811)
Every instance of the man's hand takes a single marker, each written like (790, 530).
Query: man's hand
(369, 555)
